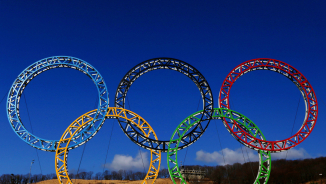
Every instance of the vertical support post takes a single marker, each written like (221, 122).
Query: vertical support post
(30, 169)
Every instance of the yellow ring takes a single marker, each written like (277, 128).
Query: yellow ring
(81, 122)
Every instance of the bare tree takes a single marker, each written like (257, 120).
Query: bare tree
(5, 178)
(98, 176)
(89, 175)
(120, 174)
(81, 175)
(140, 175)
(107, 175)
(164, 173)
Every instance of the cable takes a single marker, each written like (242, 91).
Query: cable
(80, 161)
(248, 159)
(246, 151)
(227, 174)
(29, 118)
(138, 147)
(107, 151)
(250, 164)
(322, 101)
(141, 158)
(295, 117)
(184, 160)
(82, 153)
(39, 162)
(30, 122)
(3, 97)
(242, 153)
(128, 103)
(198, 104)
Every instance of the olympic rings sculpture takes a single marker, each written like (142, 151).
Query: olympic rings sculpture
(61, 156)
(37, 68)
(297, 78)
(219, 113)
(179, 66)
(141, 133)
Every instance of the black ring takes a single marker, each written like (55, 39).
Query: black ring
(171, 64)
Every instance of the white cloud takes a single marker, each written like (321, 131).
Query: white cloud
(291, 154)
(236, 156)
(126, 162)
(230, 156)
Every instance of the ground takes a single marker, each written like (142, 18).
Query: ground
(158, 181)
(79, 181)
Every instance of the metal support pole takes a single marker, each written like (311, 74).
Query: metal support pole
(30, 169)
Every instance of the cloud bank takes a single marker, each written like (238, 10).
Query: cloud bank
(126, 162)
(292, 154)
(241, 156)
(230, 156)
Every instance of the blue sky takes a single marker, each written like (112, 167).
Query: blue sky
(114, 36)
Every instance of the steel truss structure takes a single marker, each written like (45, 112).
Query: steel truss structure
(61, 157)
(311, 113)
(171, 64)
(141, 133)
(219, 113)
(37, 68)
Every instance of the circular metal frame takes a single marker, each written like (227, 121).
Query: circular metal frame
(61, 157)
(297, 78)
(219, 113)
(171, 64)
(41, 66)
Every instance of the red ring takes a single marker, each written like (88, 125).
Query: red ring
(297, 78)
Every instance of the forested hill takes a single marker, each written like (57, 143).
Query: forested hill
(282, 172)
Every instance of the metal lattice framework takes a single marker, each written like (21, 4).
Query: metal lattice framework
(41, 66)
(297, 78)
(219, 113)
(61, 157)
(171, 64)
(141, 133)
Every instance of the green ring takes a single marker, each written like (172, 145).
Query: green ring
(265, 163)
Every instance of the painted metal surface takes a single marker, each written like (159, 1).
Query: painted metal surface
(297, 78)
(219, 113)
(170, 64)
(61, 157)
(141, 133)
(37, 68)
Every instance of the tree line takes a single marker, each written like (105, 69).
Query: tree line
(106, 175)
(282, 172)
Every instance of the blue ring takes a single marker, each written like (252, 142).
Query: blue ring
(35, 69)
